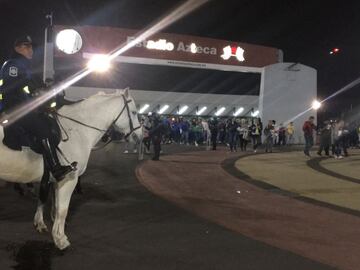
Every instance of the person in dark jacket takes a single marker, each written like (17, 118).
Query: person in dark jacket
(325, 138)
(156, 133)
(282, 135)
(269, 133)
(308, 129)
(17, 89)
(232, 134)
(214, 129)
(256, 131)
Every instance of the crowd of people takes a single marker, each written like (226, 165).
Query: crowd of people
(337, 137)
(239, 133)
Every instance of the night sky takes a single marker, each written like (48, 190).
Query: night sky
(306, 31)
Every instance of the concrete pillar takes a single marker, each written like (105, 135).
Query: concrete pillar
(286, 94)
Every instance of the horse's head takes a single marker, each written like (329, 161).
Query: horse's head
(128, 122)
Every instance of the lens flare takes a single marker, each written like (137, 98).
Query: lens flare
(99, 63)
(173, 16)
(316, 104)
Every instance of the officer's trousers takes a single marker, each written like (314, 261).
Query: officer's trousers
(37, 125)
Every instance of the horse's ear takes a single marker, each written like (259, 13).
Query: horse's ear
(126, 93)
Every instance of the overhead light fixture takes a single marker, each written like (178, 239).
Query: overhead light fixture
(255, 113)
(220, 111)
(203, 109)
(99, 63)
(144, 108)
(316, 105)
(240, 110)
(183, 109)
(68, 41)
(163, 109)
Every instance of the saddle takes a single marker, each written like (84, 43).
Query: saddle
(15, 137)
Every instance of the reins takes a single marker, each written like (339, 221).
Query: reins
(106, 131)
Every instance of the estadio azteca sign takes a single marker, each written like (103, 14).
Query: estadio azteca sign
(172, 47)
(180, 46)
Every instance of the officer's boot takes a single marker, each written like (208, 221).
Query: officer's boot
(57, 170)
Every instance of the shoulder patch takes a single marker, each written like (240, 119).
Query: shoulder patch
(13, 71)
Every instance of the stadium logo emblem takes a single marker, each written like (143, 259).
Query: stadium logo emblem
(237, 52)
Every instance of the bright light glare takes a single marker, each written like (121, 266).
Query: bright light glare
(163, 109)
(99, 63)
(240, 110)
(220, 111)
(5, 121)
(144, 108)
(172, 16)
(256, 113)
(201, 111)
(183, 109)
(68, 41)
(316, 105)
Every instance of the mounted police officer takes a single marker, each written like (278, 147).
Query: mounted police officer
(17, 88)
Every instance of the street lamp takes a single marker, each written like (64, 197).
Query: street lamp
(316, 105)
(68, 41)
(99, 63)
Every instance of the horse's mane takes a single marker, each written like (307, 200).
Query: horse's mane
(87, 102)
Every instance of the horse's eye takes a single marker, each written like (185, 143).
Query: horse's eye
(134, 112)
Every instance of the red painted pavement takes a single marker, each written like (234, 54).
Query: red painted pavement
(196, 181)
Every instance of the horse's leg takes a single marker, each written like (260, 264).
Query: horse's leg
(43, 196)
(63, 192)
(53, 206)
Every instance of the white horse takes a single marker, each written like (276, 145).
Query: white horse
(85, 123)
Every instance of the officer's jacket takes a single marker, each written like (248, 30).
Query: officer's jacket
(16, 83)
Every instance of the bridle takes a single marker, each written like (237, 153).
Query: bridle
(112, 127)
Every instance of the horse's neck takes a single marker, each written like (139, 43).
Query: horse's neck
(97, 111)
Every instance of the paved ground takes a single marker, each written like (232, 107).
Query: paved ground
(118, 224)
(252, 207)
(328, 180)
